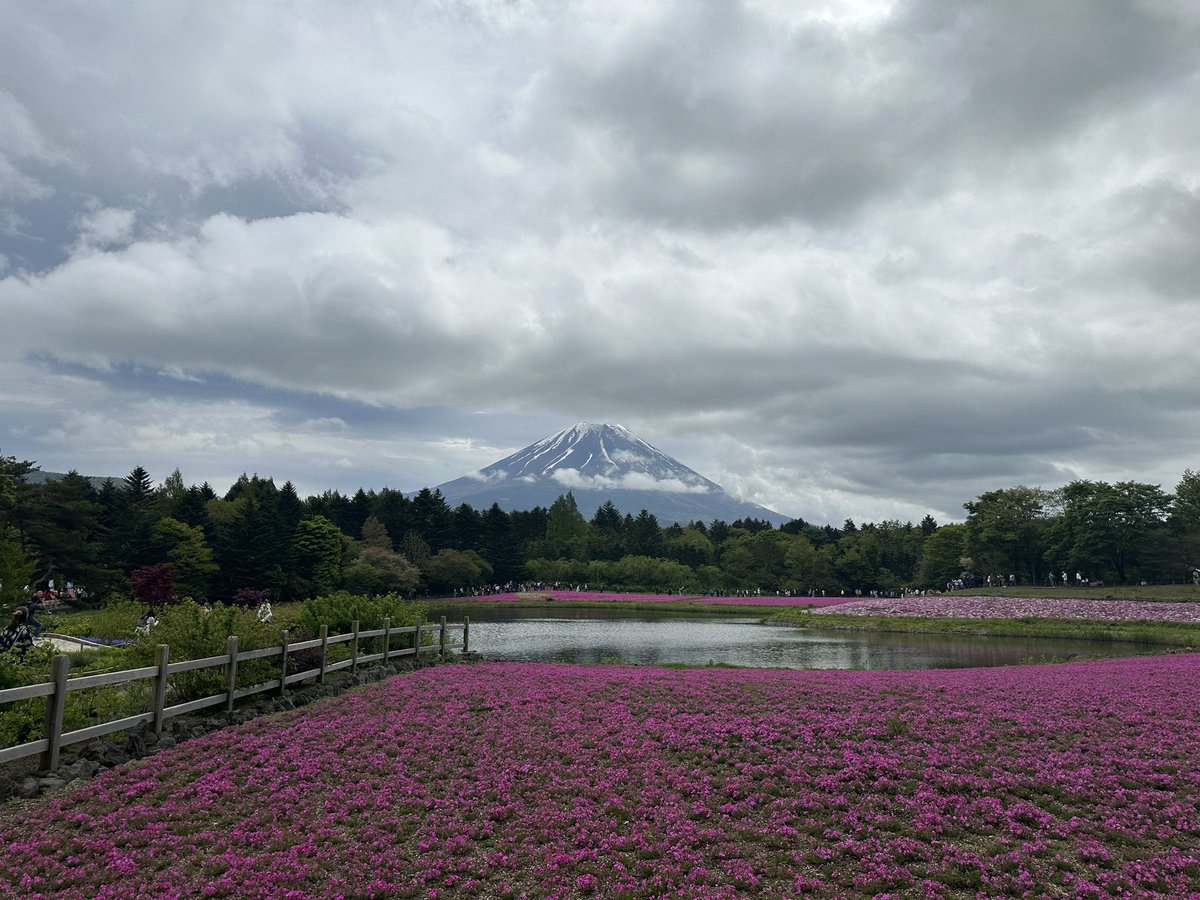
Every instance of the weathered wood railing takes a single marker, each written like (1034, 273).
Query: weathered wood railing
(59, 685)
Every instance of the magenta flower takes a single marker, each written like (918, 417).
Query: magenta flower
(528, 780)
(1019, 608)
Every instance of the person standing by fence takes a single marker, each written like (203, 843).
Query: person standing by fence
(16, 636)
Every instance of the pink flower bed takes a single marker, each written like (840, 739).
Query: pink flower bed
(527, 780)
(1022, 607)
(609, 596)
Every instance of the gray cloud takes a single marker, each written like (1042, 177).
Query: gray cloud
(870, 261)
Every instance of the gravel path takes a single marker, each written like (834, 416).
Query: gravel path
(67, 644)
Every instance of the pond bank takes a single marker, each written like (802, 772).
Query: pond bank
(1167, 634)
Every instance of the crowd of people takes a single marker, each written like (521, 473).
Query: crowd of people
(1064, 580)
(533, 587)
(51, 597)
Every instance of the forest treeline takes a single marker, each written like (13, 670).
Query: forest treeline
(258, 537)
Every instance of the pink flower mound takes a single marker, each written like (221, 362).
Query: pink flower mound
(526, 780)
(602, 596)
(1021, 608)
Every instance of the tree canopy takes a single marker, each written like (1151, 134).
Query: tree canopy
(261, 538)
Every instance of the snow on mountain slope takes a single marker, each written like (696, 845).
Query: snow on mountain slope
(596, 463)
(600, 457)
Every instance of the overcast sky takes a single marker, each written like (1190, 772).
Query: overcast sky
(846, 258)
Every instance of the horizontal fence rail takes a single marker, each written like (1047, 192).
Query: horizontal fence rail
(56, 689)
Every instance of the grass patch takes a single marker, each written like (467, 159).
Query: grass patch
(1171, 593)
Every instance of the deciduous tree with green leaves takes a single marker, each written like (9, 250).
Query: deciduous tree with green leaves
(942, 555)
(1119, 528)
(1184, 520)
(375, 568)
(1007, 532)
(449, 570)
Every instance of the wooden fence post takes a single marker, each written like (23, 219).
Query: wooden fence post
(56, 697)
(283, 666)
(162, 655)
(466, 634)
(354, 648)
(55, 704)
(231, 648)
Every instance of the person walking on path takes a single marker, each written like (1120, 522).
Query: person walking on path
(35, 627)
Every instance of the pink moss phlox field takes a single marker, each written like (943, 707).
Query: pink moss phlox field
(1021, 608)
(536, 780)
(609, 596)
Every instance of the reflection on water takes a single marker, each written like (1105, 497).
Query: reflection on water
(593, 636)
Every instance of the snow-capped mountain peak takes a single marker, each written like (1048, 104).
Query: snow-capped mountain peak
(602, 457)
(599, 462)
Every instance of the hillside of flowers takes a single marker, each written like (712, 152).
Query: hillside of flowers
(1020, 608)
(617, 597)
(528, 780)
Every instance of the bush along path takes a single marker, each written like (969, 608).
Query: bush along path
(529, 780)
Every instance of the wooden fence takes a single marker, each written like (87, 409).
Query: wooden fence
(59, 685)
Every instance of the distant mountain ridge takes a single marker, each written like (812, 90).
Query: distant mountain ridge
(598, 463)
(96, 481)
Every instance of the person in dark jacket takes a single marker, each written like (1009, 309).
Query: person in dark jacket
(17, 636)
(35, 627)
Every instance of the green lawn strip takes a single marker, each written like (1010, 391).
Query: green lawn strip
(1170, 593)
(1171, 634)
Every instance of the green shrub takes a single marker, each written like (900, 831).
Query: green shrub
(341, 609)
(91, 706)
(116, 620)
(33, 668)
(25, 720)
(192, 632)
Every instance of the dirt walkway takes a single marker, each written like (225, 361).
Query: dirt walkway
(66, 644)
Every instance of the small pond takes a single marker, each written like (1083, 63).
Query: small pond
(651, 638)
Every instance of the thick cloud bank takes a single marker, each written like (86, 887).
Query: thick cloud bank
(858, 259)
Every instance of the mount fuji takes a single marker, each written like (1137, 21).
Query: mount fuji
(599, 463)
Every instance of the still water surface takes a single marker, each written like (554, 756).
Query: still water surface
(648, 638)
